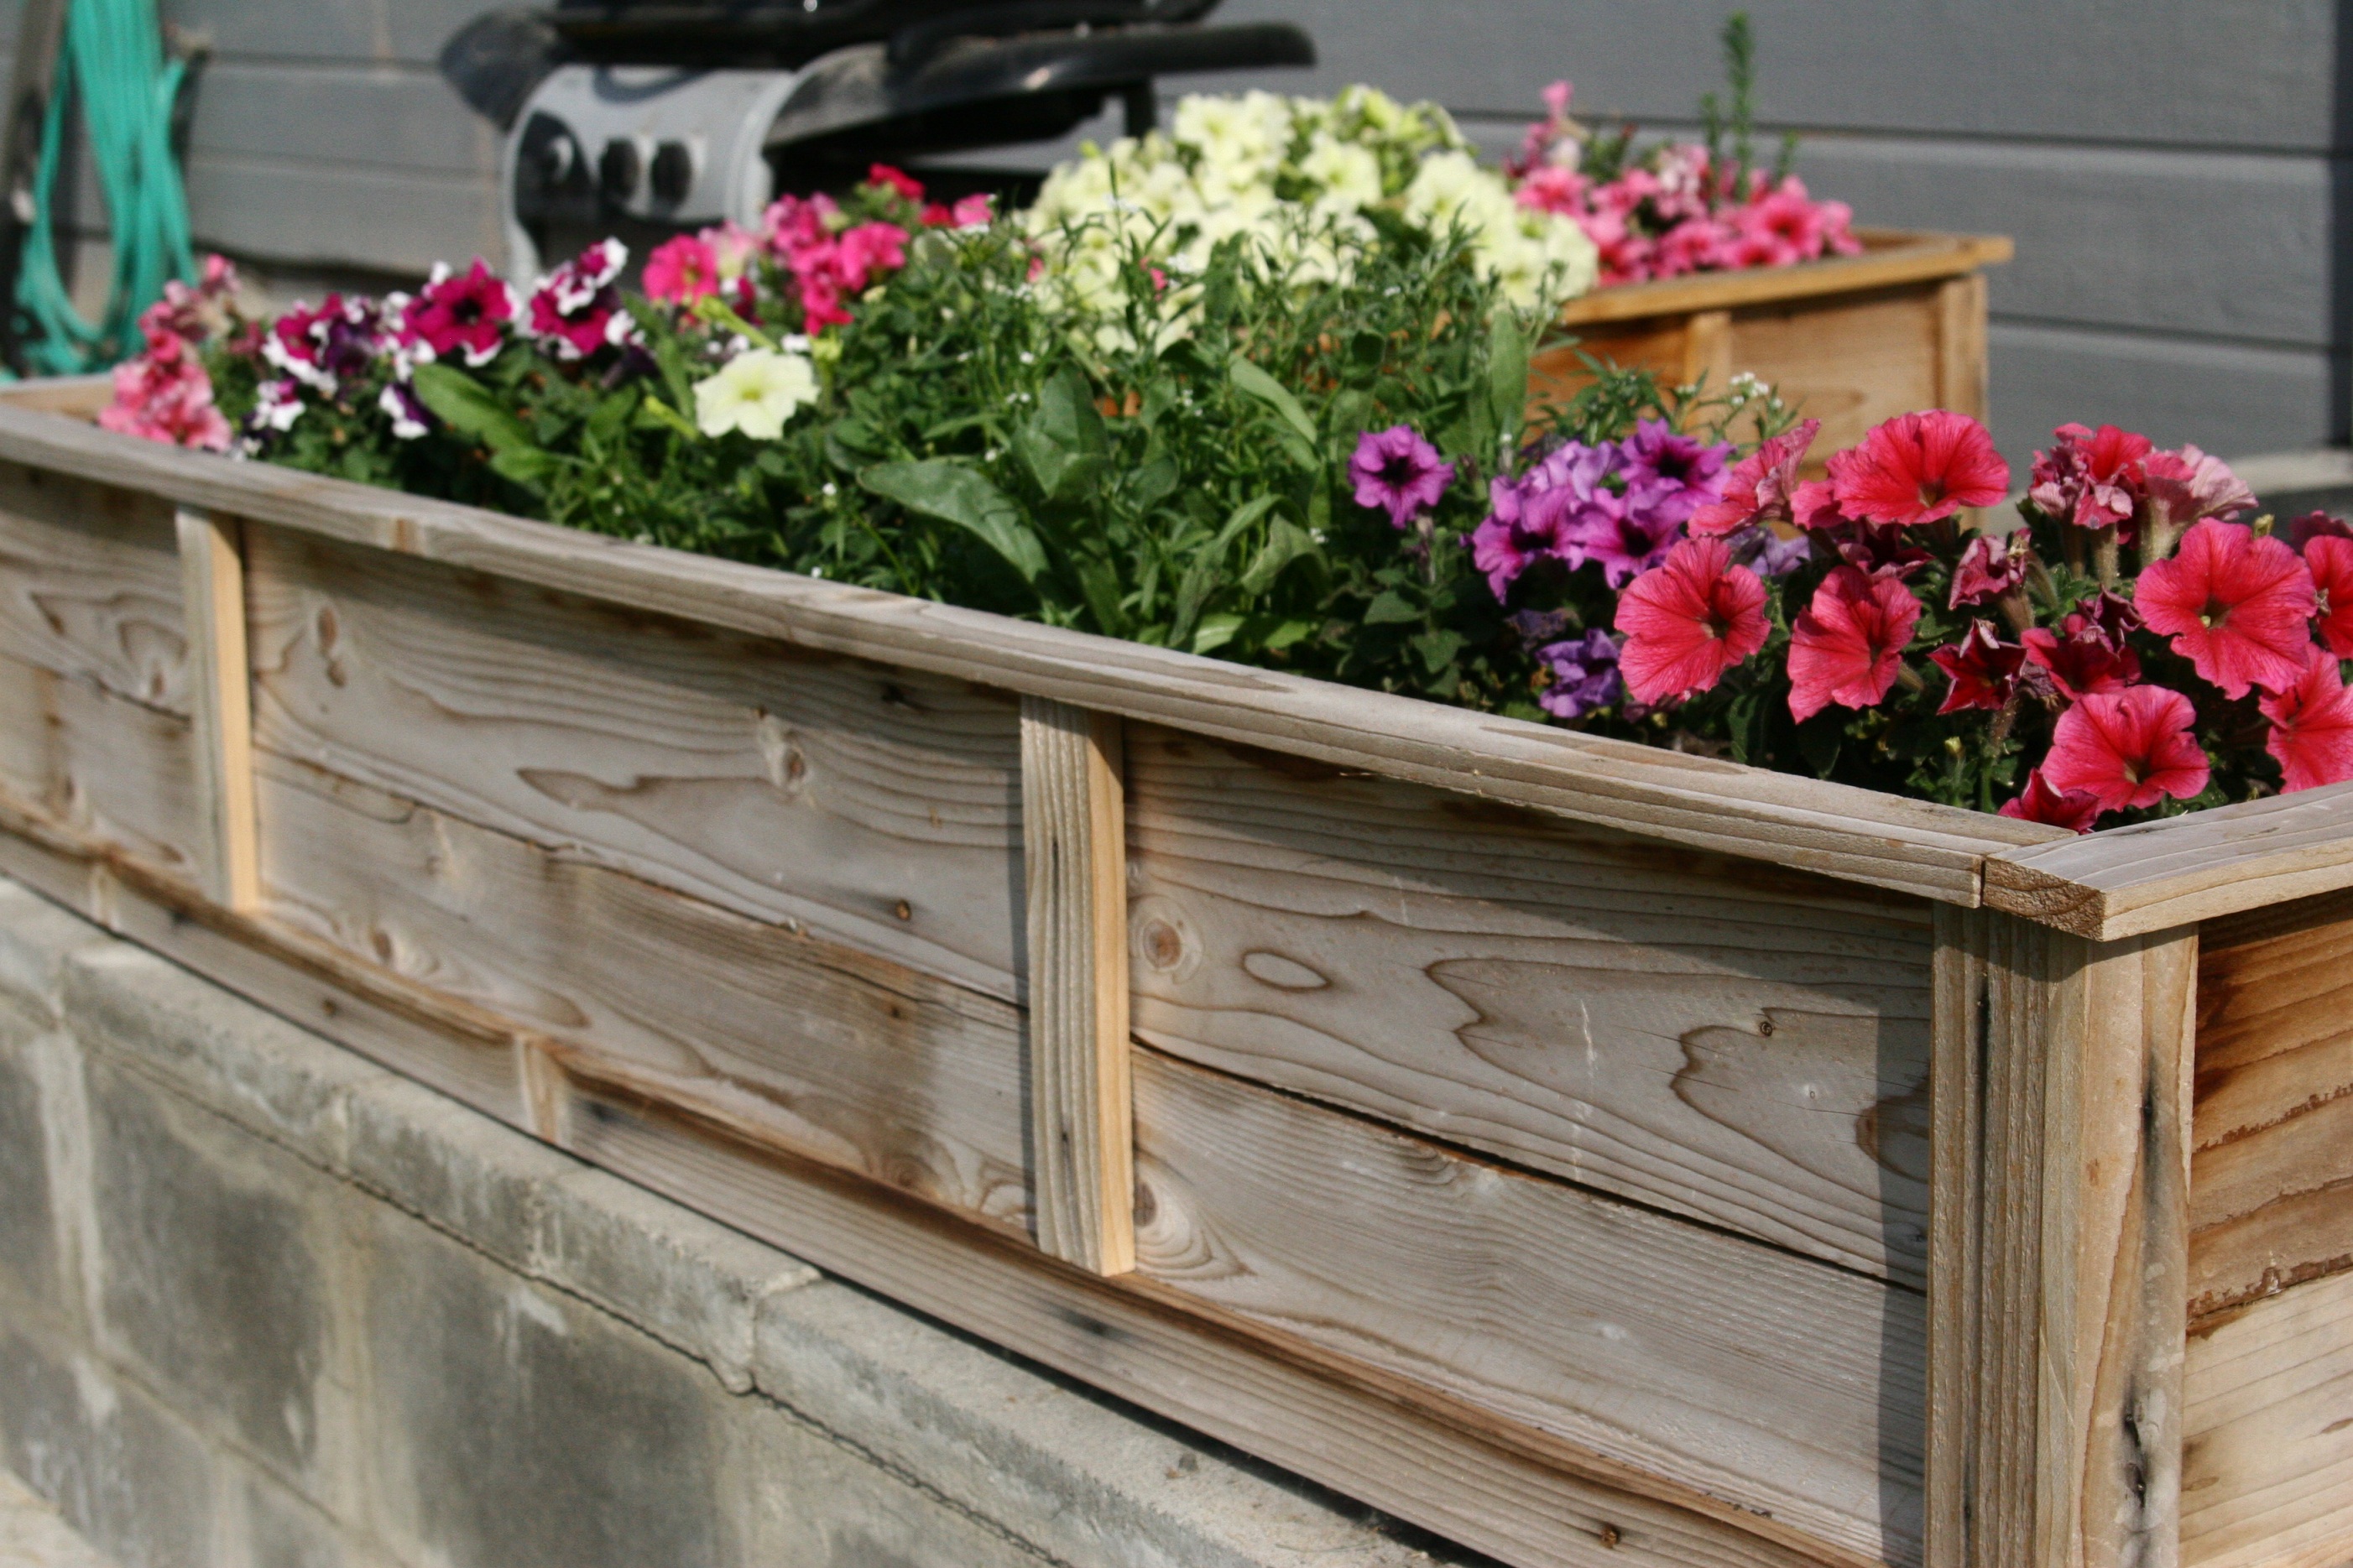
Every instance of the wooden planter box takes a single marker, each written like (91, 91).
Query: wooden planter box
(1851, 340)
(1598, 1155)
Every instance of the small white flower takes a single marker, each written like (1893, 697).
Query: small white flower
(828, 488)
(1028, 358)
(755, 393)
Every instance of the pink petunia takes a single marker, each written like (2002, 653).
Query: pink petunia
(1848, 645)
(2312, 728)
(2075, 810)
(1396, 471)
(1982, 668)
(1918, 467)
(899, 181)
(2330, 558)
(2089, 478)
(1762, 486)
(466, 314)
(1688, 620)
(2188, 485)
(682, 270)
(2237, 607)
(2127, 748)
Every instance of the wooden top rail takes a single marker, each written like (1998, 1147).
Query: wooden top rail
(2103, 885)
(1889, 258)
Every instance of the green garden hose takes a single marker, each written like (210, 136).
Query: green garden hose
(113, 66)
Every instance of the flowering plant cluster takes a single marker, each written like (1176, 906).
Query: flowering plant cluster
(2136, 645)
(1309, 178)
(1678, 207)
(164, 393)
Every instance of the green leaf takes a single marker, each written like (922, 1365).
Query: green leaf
(1252, 382)
(1437, 649)
(1216, 632)
(1507, 374)
(1286, 541)
(1389, 608)
(1063, 443)
(1100, 582)
(938, 487)
(469, 407)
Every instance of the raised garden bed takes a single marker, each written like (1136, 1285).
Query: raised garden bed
(1852, 339)
(1596, 1154)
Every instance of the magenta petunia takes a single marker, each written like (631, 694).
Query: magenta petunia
(1688, 620)
(1396, 471)
(1848, 645)
(2075, 810)
(2089, 478)
(1982, 668)
(1918, 467)
(1991, 567)
(465, 313)
(2127, 748)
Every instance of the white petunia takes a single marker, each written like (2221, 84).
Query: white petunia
(755, 393)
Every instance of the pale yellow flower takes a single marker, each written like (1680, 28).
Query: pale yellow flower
(755, 393)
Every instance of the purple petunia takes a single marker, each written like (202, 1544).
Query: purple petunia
(1584, 675)
(1396, 471)
(1539, 516)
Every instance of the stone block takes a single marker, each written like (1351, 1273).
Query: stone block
(464, 1172)
(250, 1065)
(210, 1273)
(519, 1427)
(36, 938)
(282, 1531)
(121, 1470)
(687, 1280)
(1088, 1481)
(28, 1246)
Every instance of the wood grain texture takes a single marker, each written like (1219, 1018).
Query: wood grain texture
(2270, 1192)
(1857, 835)
(846, 1058)
(1889, 258)
(212, 570)
(1961, 345)
(1708, 352)
(118, 772)
(1850, 362)
(875, 808)
(2267, 1463)
(1081, 1112)
(2126, 880)
(1532, 1500)
(1523, 1498)
(2059, 1258)
(1744, 1046)
(90, 586)
(1776, 1383)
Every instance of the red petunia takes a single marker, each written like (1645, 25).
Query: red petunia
(2079, 658)
(2075, 810)
(2239, 607)
(2330, 558)
(1688, 620)
(2127, 748)
(1989, 568)
(2092, 479)
(1983, 668)
(1849, 645)
(1918, 468)
(2312, 728)
(1761, 486)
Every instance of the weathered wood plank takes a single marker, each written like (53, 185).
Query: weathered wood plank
(1857, 835)
(2127, 881)
(211, 568)
(1082, 1115)
(1961, 345)
(876, 807)
(848, 1059)
(2267, 1461)
(116, 771)
(1849, 363)
(1890, 258)
(1777, 1383)
(1745, 1046)
(2061, 1220)
(1523, 1497)
(2270, 1192)
(90, 586)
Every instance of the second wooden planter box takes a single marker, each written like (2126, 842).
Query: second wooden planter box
(1598, 1155)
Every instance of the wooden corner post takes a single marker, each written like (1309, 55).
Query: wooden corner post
(212, 578)
(2059, 1245)
(1082, 1115)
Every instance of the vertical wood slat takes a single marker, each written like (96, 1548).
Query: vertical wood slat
(1961, 345)
(2059, 1250)
(1082, 1120)
(212, 576)
(1707, 350)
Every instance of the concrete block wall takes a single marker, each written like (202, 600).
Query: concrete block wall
(266, 1305)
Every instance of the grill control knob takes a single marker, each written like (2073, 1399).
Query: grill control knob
(673, 172)
(619, 170)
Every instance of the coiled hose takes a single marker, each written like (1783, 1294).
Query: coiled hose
(112, 63)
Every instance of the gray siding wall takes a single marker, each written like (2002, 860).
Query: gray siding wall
(2175, 171)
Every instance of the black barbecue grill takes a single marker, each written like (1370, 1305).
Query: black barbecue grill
(644, 120)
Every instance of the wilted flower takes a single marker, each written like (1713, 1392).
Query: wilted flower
(2089, 477)
(1983, 669)
(1990, 567)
